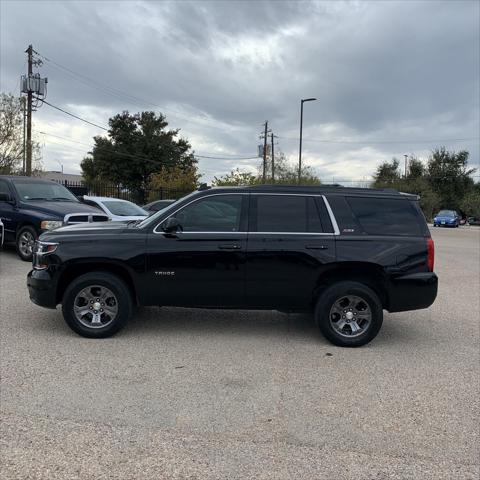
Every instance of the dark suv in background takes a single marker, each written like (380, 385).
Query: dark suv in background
(345, 254)
(30, 206)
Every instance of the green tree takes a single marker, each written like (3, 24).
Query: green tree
(416, 169)
(11, 137)
(236, 178)
(430, 201)
(285, 174)
(181, 179)
(387, 174)
(11, 133)
(449, 176)
(470, 203)
(138, 145)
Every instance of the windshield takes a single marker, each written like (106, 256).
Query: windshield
(28, 190)
(152, 218)
(446, 213)
(124, 208)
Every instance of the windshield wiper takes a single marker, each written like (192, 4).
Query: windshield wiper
(62, 199)
(35, 198)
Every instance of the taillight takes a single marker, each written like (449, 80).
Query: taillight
(431, 254)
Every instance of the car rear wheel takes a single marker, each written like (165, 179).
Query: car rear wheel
(349, 314)
(97, 305)
(25, 242)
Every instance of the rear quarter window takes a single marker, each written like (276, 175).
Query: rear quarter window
(386, 216)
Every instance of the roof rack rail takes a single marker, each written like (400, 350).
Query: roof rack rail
(293, 186)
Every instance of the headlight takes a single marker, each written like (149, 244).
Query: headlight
(44, 248)
(40, 251)
(50, 224)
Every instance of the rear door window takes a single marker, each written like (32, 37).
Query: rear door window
(385, 216)
(285, 214)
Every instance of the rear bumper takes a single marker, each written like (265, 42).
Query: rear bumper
(42, 288)
(412, 292)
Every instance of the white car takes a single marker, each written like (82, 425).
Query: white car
(118, 210)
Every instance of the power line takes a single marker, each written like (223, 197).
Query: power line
(143, 157)
(367, 142)
(74, 116)
(119, 94)
(94, 84)
(225, 158)
(360, 180)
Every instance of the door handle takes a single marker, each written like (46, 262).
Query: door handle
(316, 247)
(229, 246)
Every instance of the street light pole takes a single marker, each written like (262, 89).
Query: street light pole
(301, 133)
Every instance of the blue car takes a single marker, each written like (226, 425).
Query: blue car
(446, 218)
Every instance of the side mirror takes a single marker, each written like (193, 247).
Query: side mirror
(172, 225)
(5, 197)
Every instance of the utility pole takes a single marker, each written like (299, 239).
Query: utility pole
(406, 164)
(24, 113)
(265, 151)
(28, 169)
(273, 159)
(302, 101)
(31, 84)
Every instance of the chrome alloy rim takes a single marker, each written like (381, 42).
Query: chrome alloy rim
(350, 316)
(95, 306)
(26, 243)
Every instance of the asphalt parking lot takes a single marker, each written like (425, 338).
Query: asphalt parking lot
(196, 394)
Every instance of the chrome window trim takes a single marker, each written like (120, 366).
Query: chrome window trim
(335, 232)
(189, 203)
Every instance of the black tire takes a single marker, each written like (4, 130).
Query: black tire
(25, 236)
(337, 292)
(123, 303)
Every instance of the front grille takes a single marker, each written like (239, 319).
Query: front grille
(75, 218)
(99, 218)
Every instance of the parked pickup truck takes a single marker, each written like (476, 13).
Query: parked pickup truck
(30, 206)
(344, 254)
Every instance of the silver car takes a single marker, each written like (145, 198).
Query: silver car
(118, 210)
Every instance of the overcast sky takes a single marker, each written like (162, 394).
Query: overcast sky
(391, 78)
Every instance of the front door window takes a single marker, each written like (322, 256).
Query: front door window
(217, 213)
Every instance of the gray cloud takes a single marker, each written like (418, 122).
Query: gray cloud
(406, 71)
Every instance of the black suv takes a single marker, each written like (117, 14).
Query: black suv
(343, 253)
(30, 206)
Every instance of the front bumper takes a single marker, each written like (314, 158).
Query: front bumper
(444, 223)
(42, 288)
(412, 292)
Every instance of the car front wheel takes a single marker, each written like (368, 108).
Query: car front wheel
(25, 242)
(97, 305)
(349, 314)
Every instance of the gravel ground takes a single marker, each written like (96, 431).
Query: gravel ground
(198, 394)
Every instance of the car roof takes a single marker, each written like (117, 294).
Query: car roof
(312, 190)
(28, 179)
